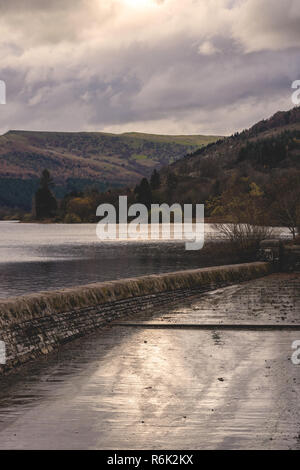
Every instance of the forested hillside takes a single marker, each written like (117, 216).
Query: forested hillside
(269, 149)
(79, 160)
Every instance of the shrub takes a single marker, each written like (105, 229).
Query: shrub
(72, 219)
(244, 238)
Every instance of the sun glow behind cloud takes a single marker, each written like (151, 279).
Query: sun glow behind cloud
(139, 3)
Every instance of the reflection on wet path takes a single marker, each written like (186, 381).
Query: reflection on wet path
(134, 388)
(272, 301)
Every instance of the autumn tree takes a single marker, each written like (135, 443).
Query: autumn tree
(81, 207)
(244, 204)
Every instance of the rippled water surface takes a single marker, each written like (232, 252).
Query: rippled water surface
(35, 257)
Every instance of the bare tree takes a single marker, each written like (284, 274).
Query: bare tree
(284, 196)
(244, 206)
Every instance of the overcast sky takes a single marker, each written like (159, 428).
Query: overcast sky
(163, 66)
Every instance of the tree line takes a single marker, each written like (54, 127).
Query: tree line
(238, 200)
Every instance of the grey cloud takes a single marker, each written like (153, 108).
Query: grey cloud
(268, 24)
(12, 7)
(34, 22)
(118, 77)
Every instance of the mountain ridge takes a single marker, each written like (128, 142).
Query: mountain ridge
(226, 151)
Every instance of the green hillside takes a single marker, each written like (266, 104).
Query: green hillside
(81, 159)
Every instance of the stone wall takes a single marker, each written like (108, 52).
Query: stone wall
(37, 324)
(291, 258)
(284, 257)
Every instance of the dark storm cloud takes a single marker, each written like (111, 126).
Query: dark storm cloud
(162, 66)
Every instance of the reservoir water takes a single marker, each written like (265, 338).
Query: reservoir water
(35, 257)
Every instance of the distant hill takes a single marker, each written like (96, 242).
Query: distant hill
(266, 150)
(226, 151)
(81, 159)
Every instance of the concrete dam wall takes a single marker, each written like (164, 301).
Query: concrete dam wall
(37, 324)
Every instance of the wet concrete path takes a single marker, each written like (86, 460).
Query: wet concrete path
(183, 378)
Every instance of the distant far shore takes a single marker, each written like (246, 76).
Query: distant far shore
(208, 220)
